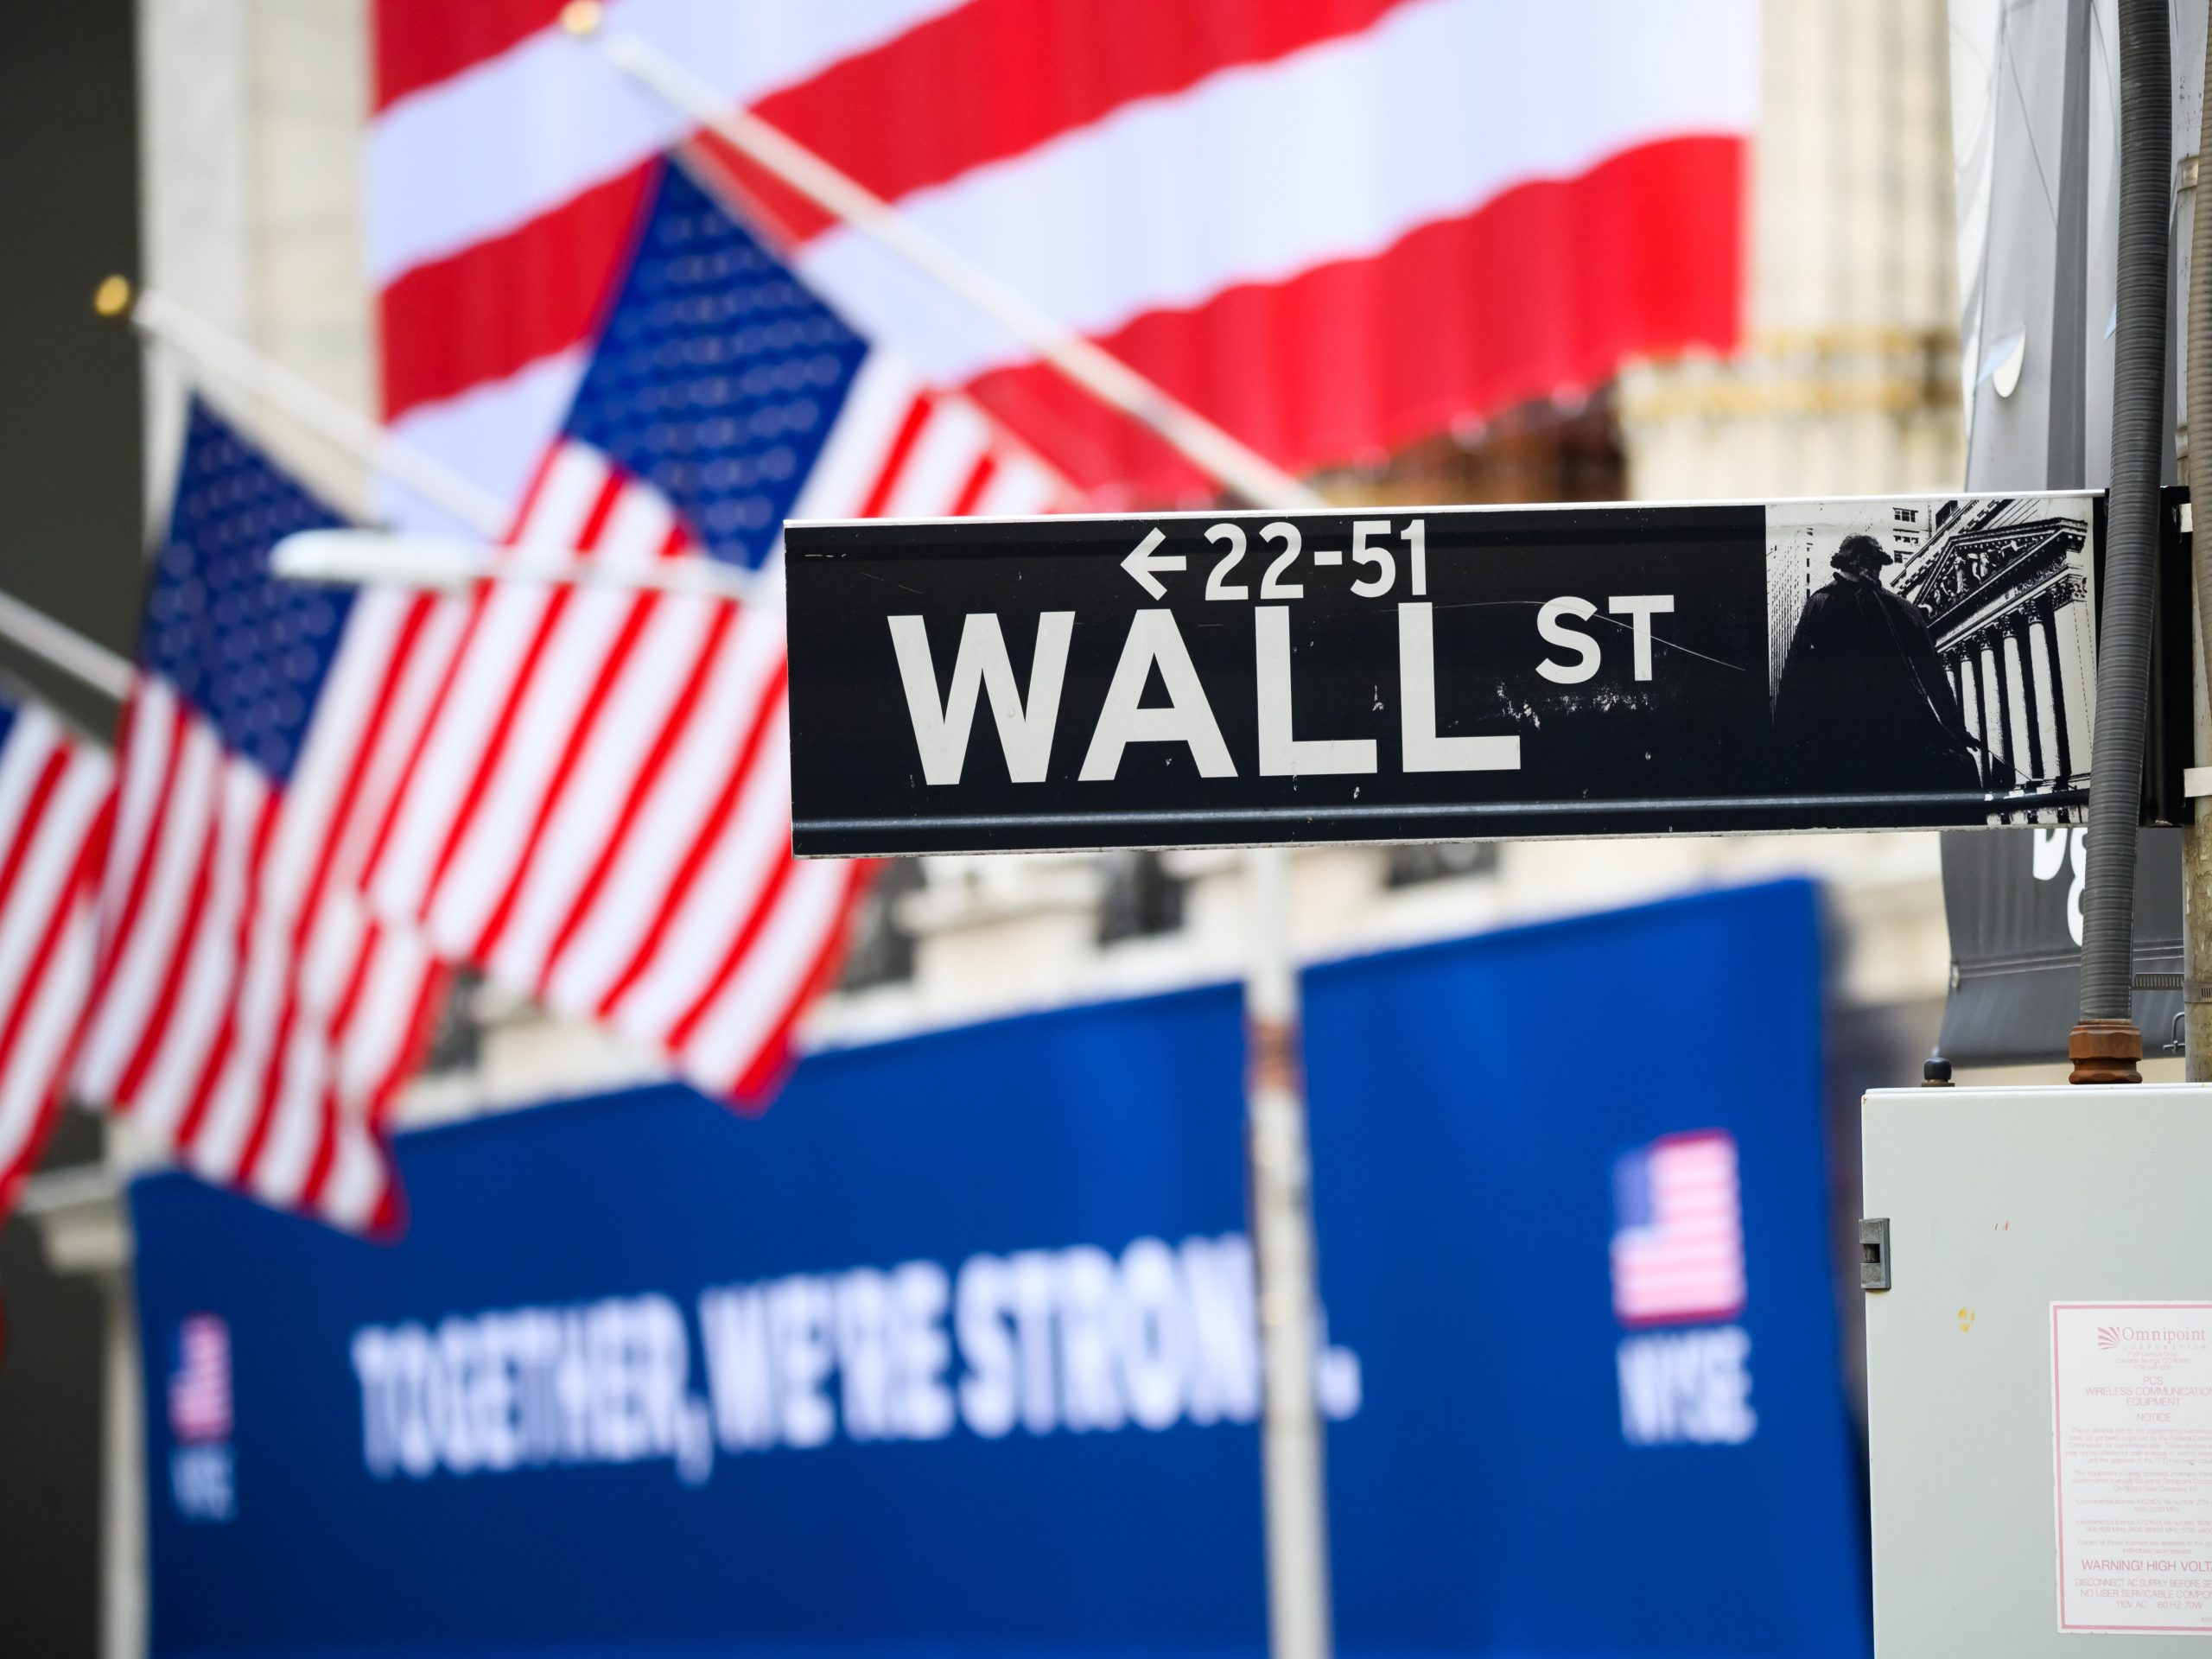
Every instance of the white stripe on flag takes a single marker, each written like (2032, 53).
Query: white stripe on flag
(748, 854)
(491, 838)
(772, 976)
(672, 816)
(951, 442)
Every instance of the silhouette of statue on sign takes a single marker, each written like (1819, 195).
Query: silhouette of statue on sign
(1864, 705)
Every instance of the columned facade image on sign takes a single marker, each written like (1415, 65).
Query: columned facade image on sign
(1996, 590)
(2014, 621)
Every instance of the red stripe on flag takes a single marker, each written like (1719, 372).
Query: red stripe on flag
(703, 843)
(518, 689)
(499, 305)
(420, 42)
(762, 906)
(27, 822)
(219, 1053)
(894, 460)
(403, 647)
(126, 920)
(326, 1152)
(1539, 291)
(156, 1031)
(68, 913)
(638, 613)
(641, 788)
(979, 480)
(756, 1087)
(409, 1056)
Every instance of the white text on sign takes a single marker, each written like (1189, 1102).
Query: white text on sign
(1028, 722)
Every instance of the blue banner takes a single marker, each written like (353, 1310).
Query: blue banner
(953, 1352)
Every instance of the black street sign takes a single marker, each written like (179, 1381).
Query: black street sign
(1377, 675)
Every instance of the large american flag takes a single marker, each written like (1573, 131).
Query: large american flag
(1678, 1230)
(598, 812)
(56, 802)
(249, 1014)
(1331, 225)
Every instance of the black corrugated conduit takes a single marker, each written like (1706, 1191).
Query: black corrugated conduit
(2138, 430)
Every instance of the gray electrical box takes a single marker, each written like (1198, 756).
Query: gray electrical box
(2040, 1368)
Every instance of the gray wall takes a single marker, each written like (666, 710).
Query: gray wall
(71, 543)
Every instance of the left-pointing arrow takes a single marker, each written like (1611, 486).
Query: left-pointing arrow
(1141, 562)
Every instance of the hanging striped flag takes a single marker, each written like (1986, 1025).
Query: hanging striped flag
(1331, 225)
(599, 813)
(56, 802)
(1678, 1231)
(249, 1013)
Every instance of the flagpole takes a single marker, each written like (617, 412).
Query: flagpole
(168, 323)
(1278, 1147)
(1097, 371)
(63, 647)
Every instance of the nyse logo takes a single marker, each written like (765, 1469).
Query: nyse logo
(1688, 1387)
(201, 1481)
(1677, 1258)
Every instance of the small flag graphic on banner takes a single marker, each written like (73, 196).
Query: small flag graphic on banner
(200, 1387)
(1678, 1231)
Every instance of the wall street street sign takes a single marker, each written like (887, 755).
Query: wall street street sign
(1374, 674)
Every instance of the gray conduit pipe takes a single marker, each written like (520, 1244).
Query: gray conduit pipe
(2124, 636)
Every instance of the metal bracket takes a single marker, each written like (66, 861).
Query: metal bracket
(1874, 1253)
(2192, 990)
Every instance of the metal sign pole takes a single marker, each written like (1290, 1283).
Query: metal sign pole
(1279, 1156)
(2196, 836)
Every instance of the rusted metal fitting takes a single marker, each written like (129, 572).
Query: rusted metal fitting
(2105, 1051)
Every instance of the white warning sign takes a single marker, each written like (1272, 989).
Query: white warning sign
(2132, 1448)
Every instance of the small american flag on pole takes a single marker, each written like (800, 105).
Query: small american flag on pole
(598, 812)
(1678, 1230)
(200, 1387)
(56, 798)
(248, 1014)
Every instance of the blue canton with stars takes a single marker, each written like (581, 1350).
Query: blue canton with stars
(718, 376)
(249, 652)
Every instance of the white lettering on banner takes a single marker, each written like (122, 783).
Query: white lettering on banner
(1687, 1388)
(2057, 848)
(1075, 1339)
(201, 1482)
(607, 1382)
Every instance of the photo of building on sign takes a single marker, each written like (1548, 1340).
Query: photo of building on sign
(1936, 645)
